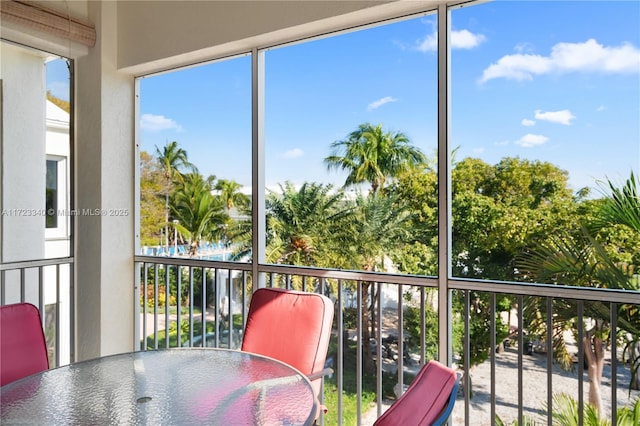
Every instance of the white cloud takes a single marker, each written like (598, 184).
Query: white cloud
(562, 117)
(463, 39)
(601, 108)
(529, 140)
(567, 57)
(377, 104)
(429, 43)
(157, 123)
(293, 153)
(527, 122)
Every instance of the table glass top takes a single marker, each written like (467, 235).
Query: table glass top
(173, 386)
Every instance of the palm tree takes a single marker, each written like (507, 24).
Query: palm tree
(173, 161)
(230, 194)
(378, 227)
(200, 215)
(582, 260)
(372, 155)
(302, 223)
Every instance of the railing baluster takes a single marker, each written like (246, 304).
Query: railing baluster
(467, 354)
(614, 363)
(167, 303)
(400, 342)
(178, 306)
(340, 351)
(520, 358)
(549, 345)
(145, 302)
(156, 280)
(203, 307)
(57, 309)
(359, 347)
(22, 284)
(2, 285)
(423, 327)
(216, 305)
(580, 362)
(492, 354)
(191, 297)
(379, 353)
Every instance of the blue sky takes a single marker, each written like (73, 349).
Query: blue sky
(545, 80)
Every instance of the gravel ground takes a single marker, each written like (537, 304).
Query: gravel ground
(534, 390)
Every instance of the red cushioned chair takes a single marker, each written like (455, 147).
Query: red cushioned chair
(428, 401)
(293, 327)
(23, 349)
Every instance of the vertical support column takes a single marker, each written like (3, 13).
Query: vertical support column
(444, 190)
(258, 223)
(104, 194)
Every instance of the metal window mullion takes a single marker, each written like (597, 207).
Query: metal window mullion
(258, 184)
(137, 341)
(444, 188)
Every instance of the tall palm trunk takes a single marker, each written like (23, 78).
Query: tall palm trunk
(367, 358)
(594, 351)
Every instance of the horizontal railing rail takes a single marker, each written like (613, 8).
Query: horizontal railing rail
(389, 319)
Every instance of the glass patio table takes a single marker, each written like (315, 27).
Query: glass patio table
(167, 386)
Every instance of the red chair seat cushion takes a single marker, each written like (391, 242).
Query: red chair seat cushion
(23, 350)
(424, 400)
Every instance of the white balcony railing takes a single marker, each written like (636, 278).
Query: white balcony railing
(48, 284)
(515, 383)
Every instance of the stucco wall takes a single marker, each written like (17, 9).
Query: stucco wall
(23, 154)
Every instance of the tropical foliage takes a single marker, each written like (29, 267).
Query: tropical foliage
(581, 259)
(516, 220)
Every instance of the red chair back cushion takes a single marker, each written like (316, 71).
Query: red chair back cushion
(290, 326)
(23, 350)
(424, 400)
